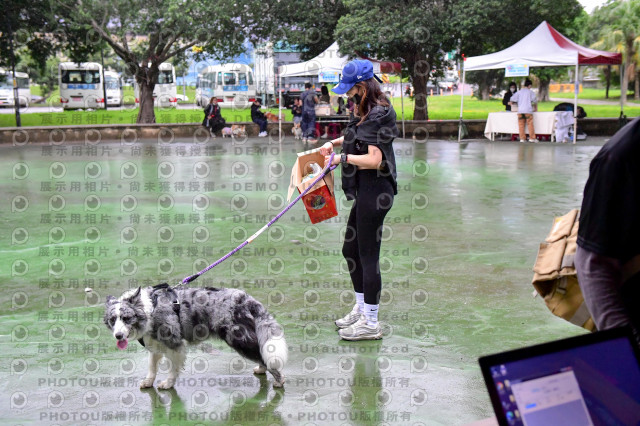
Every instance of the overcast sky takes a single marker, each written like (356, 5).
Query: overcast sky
(589, 5)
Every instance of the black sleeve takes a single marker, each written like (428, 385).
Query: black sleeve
(506, 98)
(609, 208)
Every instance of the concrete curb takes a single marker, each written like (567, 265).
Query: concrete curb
(166, 133)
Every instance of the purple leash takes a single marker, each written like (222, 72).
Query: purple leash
(274, 220)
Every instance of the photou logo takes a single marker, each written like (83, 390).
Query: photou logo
(165, 202)
(20, 171)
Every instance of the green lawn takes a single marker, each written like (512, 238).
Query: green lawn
(440, 108)
(595, 94)
(127, 92)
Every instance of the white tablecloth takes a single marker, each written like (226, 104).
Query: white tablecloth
(507, 122)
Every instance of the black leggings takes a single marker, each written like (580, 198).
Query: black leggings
(362, 239)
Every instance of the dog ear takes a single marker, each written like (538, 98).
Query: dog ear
(135, 297)
(110, 300)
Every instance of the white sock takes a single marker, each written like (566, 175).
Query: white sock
(360, 301)
(371, 313)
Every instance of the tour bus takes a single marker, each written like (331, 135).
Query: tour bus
(81, 85)
(6, 88)
(165, 92)
(113, 81)
(231, 84)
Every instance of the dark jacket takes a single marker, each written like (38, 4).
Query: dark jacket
(379, 130)
(506, 99)
(212, 115)
(296, 110)
(256, 114)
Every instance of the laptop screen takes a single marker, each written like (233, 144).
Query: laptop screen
(587, 380)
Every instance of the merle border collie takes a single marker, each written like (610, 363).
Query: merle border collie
(164, 319)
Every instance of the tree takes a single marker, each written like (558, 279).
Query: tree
(619, 24)
(487, 26)
(308, 25)
(545, 75)
(147, 33)
(413, 32)
(23, 36)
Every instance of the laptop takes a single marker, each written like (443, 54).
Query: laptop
(593, 379)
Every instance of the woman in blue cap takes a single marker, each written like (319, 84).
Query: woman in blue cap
(369, 178)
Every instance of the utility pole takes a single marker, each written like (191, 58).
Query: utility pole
(16, 99)
(104, 81)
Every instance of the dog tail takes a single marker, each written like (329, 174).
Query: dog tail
(273, 346)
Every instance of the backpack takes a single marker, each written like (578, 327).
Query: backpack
(555, 277)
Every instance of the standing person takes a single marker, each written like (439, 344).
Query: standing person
(309, 101)
(369, 178)
(325, 99)
(507, 96)
(212, 118)
(607, 258)
(258, 117)
(527, 103)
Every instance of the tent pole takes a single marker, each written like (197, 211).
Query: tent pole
(402, 106)
(280, 108)
(461, 102)
(621, 79)
(576, 88)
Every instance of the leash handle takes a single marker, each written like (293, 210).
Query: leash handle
(326, 170)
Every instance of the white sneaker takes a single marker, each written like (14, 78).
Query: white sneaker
(325, 136)
(361, 331)
(262, 134)
(349, 319)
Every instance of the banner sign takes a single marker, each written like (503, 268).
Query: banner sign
(240, 88)
(328, 77)
(516, 70)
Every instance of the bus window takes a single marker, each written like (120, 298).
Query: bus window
(80, 76)
(219, 79)
(23, 83)
(242, 79)
(112, 83)
(210, 78)
(229, 78)
(6, 81)
(250, 79)
(165, 77)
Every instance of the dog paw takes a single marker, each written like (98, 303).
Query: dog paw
(166, 384)
(146, 383)
(278, 384)
(259, 370)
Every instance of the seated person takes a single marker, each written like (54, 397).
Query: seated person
(258, 117)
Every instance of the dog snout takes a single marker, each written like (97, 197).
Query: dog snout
(119, 335)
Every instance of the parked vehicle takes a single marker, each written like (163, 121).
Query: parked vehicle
(113, 82)
(6, 88)
(232, 84)
(165, 91)
(81, 85)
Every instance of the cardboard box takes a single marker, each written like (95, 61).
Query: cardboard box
(320, 201)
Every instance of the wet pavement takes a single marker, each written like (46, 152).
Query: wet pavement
(457, 254)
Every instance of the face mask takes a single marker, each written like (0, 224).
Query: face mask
(356, 98)
(513, 89)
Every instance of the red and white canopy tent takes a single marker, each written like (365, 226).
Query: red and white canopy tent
(542, 47)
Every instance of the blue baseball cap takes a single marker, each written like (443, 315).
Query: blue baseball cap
(354, 72)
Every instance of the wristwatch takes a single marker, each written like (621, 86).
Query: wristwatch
(343, 158)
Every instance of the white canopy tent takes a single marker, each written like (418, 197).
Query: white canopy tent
(328, 62)
(543, 47)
